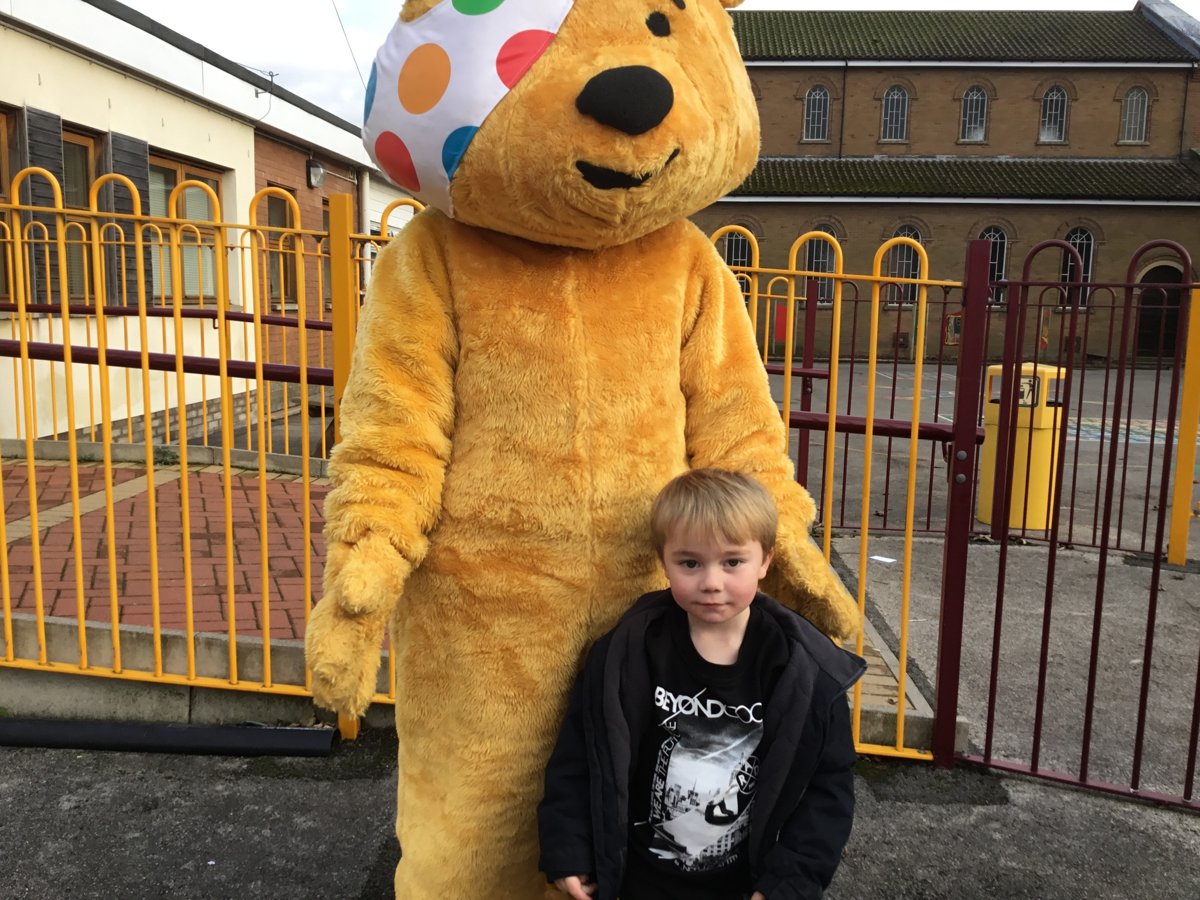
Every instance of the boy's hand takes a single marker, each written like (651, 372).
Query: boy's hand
(757, 895)
(577, 887)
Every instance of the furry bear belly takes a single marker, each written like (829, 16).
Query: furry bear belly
(541, 531)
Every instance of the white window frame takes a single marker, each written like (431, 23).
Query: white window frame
(973, 123)
(997, 260)
(1082, 239)
(1052, 127)
(816, 114)
(904, 262)
(737, 250)
(818, 257)
(1135, 114)
(894, 123)
(198, 257)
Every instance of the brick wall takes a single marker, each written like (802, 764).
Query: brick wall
(946, 229)
(935, 107)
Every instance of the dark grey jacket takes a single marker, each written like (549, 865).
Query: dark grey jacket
(802, 812)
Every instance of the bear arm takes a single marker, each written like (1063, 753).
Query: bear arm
(733, 423)
(397, 417)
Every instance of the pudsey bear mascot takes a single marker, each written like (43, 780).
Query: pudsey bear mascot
(540, 351)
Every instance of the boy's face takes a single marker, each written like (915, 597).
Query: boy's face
(712, 579)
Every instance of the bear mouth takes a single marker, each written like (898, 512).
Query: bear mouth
(613, 179)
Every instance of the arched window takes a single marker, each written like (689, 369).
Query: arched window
(819, 258)
(1133, 116)
(904, 262)
(998, 260)
(737, 250)
(895, 114)
(816, 114)
(1053, 128)
(1081, 239)
(974, 115)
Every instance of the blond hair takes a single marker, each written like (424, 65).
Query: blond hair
(717, 503)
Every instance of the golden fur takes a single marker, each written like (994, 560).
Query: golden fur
(526, 377)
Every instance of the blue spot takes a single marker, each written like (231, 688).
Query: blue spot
(370, 92)
(455, 146)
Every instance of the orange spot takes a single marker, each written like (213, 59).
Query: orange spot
(424, 79)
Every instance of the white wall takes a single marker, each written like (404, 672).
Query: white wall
(130, 49)
(88, 94)
(49, 380)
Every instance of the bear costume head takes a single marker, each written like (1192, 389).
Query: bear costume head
(577, 124)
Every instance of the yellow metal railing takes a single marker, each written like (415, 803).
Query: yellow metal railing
(190, 371)
(781, 290)
(174, 360)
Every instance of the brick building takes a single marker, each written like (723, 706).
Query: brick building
(948, 126)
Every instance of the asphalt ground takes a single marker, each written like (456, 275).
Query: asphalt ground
(135, 825)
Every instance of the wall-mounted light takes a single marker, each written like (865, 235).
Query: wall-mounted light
(316, 173)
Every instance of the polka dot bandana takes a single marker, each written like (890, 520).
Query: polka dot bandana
(438, 77)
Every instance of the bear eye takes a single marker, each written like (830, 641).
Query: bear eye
(659, 25)
(680, 4)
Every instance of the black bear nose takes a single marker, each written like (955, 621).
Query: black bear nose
(632, 99)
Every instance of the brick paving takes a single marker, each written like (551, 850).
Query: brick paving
(276, 584)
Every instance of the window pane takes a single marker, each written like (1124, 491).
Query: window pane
(998, 260)
(816, 115)
(737, 250)
(895, 114)
(1081, 239)
(820, 259)
(281, 262)
(974, 115)
(904, 262)
(1054, 116)
(1133, 116)
(76, 175)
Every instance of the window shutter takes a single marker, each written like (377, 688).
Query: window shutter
(43, 147)
(128, 156)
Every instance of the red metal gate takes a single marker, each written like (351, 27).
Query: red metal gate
(1066, 639)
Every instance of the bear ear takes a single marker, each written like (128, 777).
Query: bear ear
(416, 8)
(730, 4)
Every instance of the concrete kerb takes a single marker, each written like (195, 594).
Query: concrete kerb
(30, 693)
(878, 724)
(57, 695)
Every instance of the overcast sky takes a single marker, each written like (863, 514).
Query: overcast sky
(301, 40)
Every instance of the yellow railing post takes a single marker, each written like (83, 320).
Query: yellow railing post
(344, 316)
(345, 303)
(1189, 426)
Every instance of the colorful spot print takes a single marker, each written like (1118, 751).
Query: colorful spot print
(424, 78)
(393, 155)
(476, 7)
(371, 82)
(455, 146)
(519, 53)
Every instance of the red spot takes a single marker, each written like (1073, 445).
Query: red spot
(519, 53)
(397, 162)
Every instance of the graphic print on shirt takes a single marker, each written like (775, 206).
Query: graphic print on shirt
(704, 780)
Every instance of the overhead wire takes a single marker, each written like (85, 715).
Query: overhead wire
(357, 67)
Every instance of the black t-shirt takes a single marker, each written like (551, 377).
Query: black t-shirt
(695, 769)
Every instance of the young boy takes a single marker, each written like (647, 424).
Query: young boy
(706, 752)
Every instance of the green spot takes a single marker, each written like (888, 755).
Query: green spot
(476, 7)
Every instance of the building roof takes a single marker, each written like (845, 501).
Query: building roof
(913, 35)
(1029, 179)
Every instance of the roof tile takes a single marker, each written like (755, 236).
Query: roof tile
(1011, 35)
(1145, 180)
